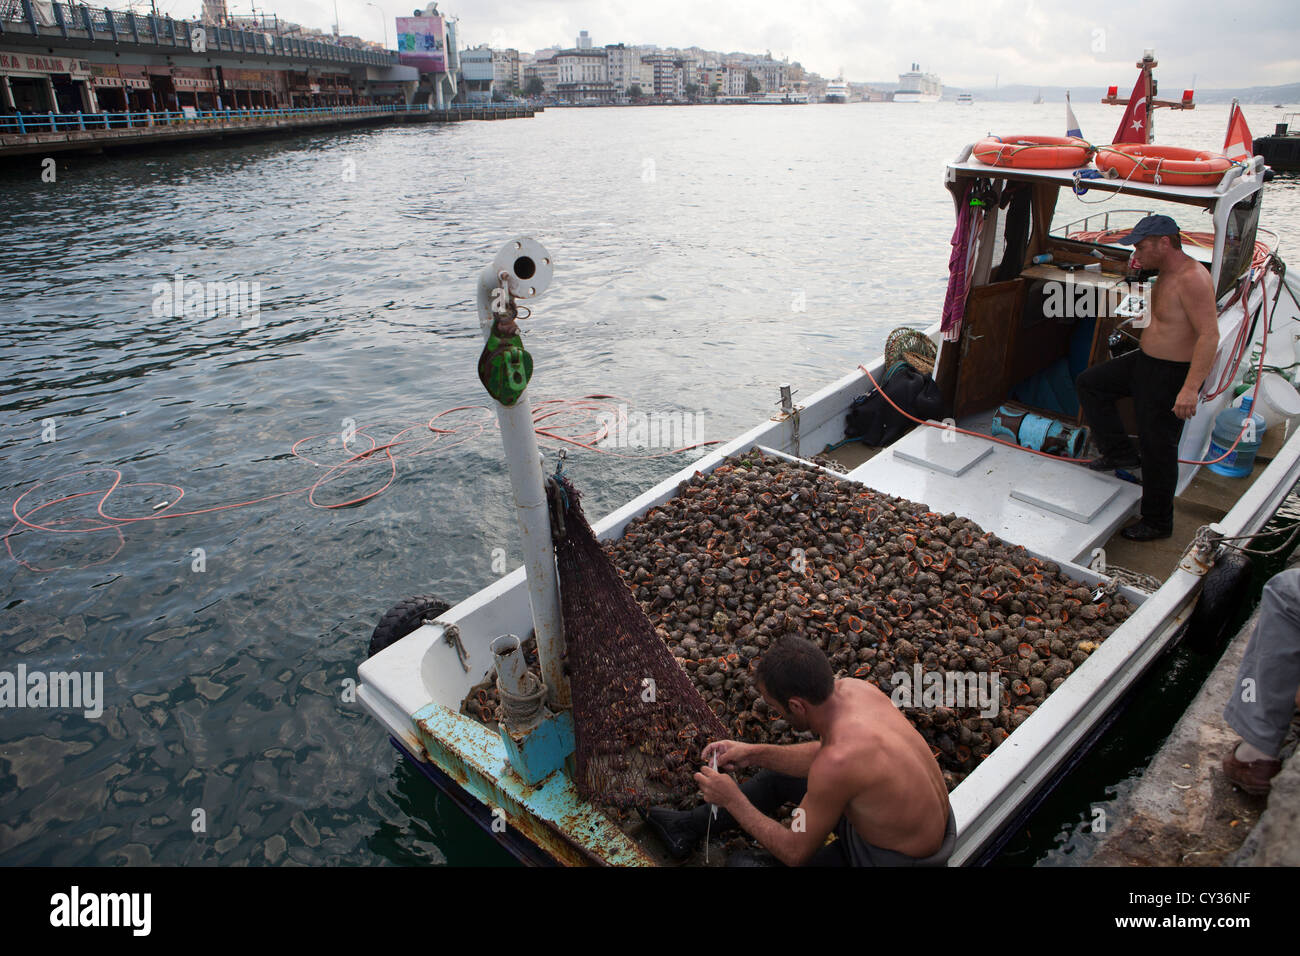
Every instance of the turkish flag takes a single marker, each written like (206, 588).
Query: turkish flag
(1133, 127)
(1238, 144)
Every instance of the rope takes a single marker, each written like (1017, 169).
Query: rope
(570, 421)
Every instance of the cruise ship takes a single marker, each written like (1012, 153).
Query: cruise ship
(918, 87)
(837, 91)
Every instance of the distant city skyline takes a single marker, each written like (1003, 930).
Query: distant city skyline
(1026, 42)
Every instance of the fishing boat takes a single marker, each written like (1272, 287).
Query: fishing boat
(965, 99)
(518, 785)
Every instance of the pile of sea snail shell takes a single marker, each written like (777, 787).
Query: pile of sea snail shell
(761, 547)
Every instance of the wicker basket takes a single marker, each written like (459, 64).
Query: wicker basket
(911, 346)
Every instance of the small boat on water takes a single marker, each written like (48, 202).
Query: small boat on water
(519, 786)
(965, 99)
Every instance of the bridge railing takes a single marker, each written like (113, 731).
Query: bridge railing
(55, 19)
(33, 123)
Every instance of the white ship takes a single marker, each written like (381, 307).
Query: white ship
(837, 91)
(918, 87)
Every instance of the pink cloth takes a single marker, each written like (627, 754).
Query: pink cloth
(954, 302)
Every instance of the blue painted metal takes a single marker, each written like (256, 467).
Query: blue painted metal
(85, 19)
(543, 750)
(112, 23)
(550, 812)
(59, 19)
(515, 843)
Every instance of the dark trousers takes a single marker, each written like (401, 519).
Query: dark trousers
(768, 791)
(1153, 384)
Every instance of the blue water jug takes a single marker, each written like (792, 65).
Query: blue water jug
(1228, 425)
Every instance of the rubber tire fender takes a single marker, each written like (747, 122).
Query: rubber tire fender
(403, 618)
(1225, 588)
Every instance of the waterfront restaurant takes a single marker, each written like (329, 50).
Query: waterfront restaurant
(37, 83)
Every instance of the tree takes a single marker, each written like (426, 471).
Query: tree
(692, 89)
(714, 88)
(634, 91)
(534, 87)
(751, 82)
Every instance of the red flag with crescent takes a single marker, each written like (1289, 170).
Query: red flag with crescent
(1133, 127)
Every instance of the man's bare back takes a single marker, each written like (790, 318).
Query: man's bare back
(899, 800)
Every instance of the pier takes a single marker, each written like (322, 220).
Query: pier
(45, 134)
(1184, 812)
(77, 79)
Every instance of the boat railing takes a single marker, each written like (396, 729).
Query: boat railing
(33, 123)
(1085, 224)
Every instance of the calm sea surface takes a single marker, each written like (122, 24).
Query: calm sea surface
(683, 240)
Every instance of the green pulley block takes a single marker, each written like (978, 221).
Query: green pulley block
(505, 367)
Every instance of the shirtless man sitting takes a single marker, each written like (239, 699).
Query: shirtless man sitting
(870, 779)
(1164, 376)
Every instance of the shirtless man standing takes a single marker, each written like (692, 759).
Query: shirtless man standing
(870, 777)
(1164, 376)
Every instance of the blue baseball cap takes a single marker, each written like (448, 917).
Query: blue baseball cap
(1150, 226)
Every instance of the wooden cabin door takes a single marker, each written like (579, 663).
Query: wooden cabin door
(993, 316)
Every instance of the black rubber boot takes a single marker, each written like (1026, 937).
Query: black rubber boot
(678, 830)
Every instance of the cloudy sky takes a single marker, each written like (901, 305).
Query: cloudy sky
(1034, 42)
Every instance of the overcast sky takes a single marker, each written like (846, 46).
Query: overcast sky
(1034, 42)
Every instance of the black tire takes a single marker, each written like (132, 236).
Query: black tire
(1226, 588)
(403, 618)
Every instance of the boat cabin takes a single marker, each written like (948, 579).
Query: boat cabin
(1049, 292)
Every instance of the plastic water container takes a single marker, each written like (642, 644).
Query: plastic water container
(1227, 426)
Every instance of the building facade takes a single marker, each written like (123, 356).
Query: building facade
(582, 76)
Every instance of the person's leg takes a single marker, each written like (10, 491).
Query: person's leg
(1263, 700)
(681, 830)
(1156, 387)
(767, 790)
(1098, 389)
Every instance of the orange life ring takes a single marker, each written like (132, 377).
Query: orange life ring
(1163, 165)
(1033, 152)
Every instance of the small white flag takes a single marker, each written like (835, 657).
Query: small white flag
(1071, 124)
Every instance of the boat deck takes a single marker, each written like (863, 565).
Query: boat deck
(1051, 507)
(1206, 499)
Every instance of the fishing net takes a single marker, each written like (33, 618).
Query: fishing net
(638, 721)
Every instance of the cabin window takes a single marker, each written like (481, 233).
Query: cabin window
(1239, 243)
